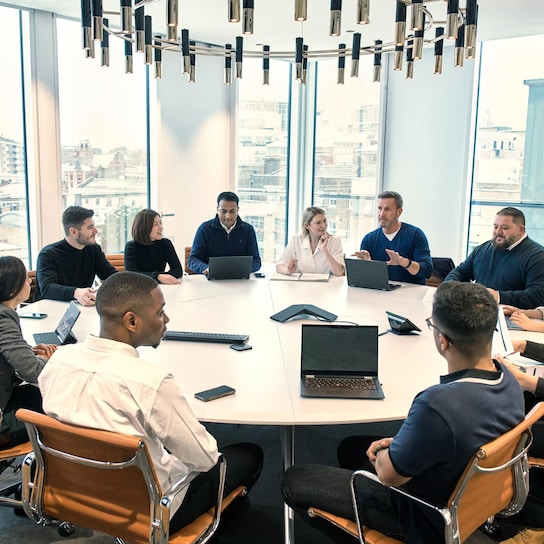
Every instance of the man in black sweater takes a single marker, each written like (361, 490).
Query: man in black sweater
(67, 268)
(510, 265)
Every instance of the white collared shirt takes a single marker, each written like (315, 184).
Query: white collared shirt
(299, 248)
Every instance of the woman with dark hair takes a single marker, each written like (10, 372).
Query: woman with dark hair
(18, 361)
(149, 253)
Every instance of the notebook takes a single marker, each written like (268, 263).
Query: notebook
(63, 333)
(340, 361)
(368, 274)
(230, 268)
(299, 276)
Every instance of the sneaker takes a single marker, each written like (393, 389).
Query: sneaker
(527, 536)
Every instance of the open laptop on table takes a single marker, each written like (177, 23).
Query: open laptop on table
(368, 274)
(63, 333)
(230, 268)
(340, 361)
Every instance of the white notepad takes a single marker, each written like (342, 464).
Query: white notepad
(298, 276)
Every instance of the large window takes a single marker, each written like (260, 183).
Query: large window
(346, 150)
(103, 135)
(13, 184)
(509, 162)
(263, 121)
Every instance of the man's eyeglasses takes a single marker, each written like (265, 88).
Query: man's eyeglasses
(432, 326)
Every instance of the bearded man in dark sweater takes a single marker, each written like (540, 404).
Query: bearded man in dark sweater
(67, 268)
(510, 265)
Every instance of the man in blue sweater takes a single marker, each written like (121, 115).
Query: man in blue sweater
(403, 246)
(510, 265)
(224, 235)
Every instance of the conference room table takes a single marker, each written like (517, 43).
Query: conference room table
(267, 377)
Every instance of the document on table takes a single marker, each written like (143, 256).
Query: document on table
(297, 276)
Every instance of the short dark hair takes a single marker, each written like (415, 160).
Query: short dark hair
(75, 216)
(122, 292)
(392, 194)
(142, 225)
(228, 196)
(467, 314)
(518, 217)
(13, 276)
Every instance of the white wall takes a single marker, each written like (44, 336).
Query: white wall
(427, 149)
(192, 145)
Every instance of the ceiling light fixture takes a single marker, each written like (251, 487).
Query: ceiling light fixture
(136, 27)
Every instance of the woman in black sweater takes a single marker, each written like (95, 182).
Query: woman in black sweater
(149, 253)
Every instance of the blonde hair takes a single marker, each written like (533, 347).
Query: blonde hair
(307, 216)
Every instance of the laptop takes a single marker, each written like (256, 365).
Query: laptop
(63, 333)
(340, 361)
(230, 268)
(368, 274)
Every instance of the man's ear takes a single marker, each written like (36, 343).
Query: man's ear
(444, 341)
(130, 321)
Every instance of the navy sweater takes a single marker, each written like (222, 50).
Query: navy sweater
(212, 240)
(518, 275)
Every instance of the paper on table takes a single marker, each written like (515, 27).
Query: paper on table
(297, 276)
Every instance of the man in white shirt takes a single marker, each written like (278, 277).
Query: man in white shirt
(103, 384)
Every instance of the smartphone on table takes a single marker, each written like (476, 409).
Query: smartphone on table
(215, 393)
(33, 315)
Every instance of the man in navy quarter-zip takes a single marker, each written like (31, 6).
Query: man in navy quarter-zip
(223, 236)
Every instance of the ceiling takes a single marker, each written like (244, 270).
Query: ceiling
(274, 24)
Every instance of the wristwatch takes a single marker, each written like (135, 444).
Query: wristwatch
(409, 264)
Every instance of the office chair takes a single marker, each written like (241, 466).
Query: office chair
(495, 481)
(187, 255)
(117, 260)
(106, 481)
(442, 266)
(8, 458)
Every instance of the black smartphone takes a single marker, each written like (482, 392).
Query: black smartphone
(215, 393)
(258, 274)
(240, 347)
(33, 315)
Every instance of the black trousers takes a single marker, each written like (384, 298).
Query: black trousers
(244, 465)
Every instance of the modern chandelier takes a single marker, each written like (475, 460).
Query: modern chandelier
(410, 35)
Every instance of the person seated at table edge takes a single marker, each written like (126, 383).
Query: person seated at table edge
(149, 253)
(19, 362)
(224, 235)
(66, 269)
(103, 384)
(315, 250)
(529, 522)
(445, 426)
(510, 265)
(524, 318)
(403, 246)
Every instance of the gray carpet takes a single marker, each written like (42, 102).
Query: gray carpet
(262, 522)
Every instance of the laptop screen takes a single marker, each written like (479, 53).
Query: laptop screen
(339, 350)
(67, 321)
(230, 268)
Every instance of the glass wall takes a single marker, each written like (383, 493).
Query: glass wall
(346, 150)
(263, 123)
(508, 161)
(13, 183)
(103, 135)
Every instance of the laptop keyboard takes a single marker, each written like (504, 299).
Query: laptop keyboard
(46, 338)
(341, 383)
(215, 337)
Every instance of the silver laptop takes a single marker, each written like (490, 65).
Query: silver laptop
(63, 333)
(340, 361)
(230, 268)
(368, 274)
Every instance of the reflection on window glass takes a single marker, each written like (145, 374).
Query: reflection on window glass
(346, 151)
(13, 202)
(103, 135)
(263, 120)
(508, 161)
